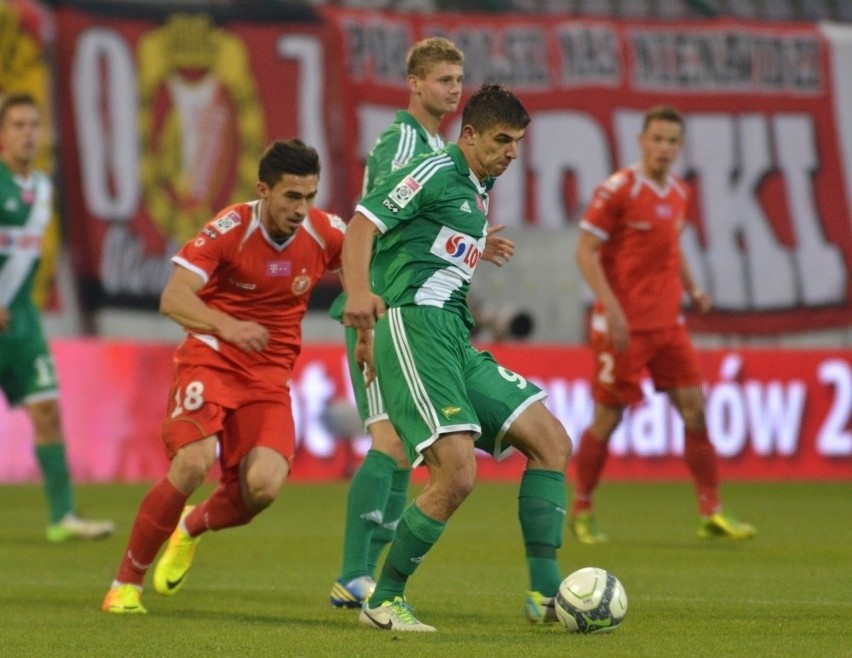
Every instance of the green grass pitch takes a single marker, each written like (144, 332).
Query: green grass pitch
(262, 590)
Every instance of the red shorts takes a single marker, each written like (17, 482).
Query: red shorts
(667, 354)
(206, 401)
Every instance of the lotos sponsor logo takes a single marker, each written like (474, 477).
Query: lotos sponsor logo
(456, 246)
(459, 249)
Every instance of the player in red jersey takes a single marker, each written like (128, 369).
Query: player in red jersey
(240, 290)
(629, 254)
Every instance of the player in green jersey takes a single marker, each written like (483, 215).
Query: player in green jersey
(444, 397)
(379, 488)
(27, 376)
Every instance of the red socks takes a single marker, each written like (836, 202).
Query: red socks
(701, 459)
(591, 459)
(157, 517)
(224, 508)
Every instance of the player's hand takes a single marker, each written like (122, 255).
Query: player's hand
(498, 250)
(5, 318)
(362, 311)
(701, 300)
(364, 355)
(248, 336)
(617, 328)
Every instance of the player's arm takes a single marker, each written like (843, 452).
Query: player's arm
(362, 306)
(5, 317)
(181, 303)
(702, 300)
(588, 261)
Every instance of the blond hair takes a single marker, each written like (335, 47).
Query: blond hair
(426, 53)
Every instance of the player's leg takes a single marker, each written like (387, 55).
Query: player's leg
(676, 369)
(386, 440)
(452, 473)
(590, 461)
(32, 381)
(615, 385)
(371, 492)
(157, 518)
(423, 383)
(513, 416)
(257, 442)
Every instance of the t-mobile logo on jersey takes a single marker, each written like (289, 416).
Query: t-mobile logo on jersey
(278, 268)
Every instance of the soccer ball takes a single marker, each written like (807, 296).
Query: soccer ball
(591, 600)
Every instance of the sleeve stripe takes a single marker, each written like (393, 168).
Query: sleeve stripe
(596, 230)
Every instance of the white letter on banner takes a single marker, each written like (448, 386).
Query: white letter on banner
(833, 439)
(775, 418)
(562, 143)
(747, 266)
(108, 153)
(571, 403)
(308, 52)
(820, 264)
(726, 421)
(310, 396)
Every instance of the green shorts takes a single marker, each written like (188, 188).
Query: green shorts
(369, 401)
(26, 368)
(435, 382)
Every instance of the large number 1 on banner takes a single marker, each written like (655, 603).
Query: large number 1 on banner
(308, 52)
(109, 158)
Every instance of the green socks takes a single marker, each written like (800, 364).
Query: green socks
(415, 535)
(384, 534)
(541, 509)
(365, 510)
(57, 481)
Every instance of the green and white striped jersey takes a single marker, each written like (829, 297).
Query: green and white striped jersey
(401, 142)
(431, 215)
(25, 209)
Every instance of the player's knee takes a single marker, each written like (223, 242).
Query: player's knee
(189, 468)
(264, 483)
(262, 494)
(457, 487)
(693, 417)
(46, 421)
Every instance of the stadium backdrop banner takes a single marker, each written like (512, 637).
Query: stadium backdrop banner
(770, 418)
(162, 121)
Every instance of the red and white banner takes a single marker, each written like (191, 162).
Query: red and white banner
(770, 417)
(162, 121)
(768, 149)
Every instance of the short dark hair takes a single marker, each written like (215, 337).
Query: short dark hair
(291, 156)
(13, 100)
(662, 113)
(494, 105)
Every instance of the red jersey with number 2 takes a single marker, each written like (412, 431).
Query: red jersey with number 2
(640, 224)
(250, 277)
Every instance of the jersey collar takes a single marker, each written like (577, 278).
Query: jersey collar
(435, 141)
(464, 169)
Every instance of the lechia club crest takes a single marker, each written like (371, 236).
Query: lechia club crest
(301, 284)
(200, 120)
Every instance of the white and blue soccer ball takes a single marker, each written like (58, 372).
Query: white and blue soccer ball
(591, 600)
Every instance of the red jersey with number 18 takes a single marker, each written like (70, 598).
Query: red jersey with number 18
(250, 277)
(640, 224)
